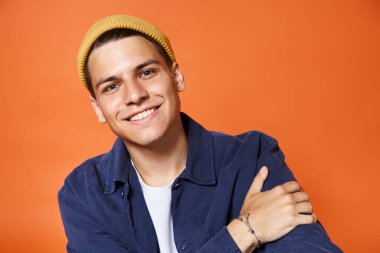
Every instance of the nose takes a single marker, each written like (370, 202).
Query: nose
(135, 93)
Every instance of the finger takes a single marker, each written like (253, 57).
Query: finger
(259, 180)
(300, 197)
(304, 208)
(315, 217)
(306, 219)
(290, 187)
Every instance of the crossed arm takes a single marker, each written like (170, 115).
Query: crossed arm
(270, 214)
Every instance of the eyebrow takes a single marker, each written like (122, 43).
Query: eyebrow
(136, 69)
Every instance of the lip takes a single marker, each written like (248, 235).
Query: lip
(140, 111)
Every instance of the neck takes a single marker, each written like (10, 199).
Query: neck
(161, 162)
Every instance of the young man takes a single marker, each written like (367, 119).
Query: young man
(169, 185)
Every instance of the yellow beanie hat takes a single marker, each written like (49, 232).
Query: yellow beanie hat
(115, 22)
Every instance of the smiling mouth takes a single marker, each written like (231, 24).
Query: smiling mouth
(143, 115)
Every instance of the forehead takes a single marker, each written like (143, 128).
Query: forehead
(127, 49)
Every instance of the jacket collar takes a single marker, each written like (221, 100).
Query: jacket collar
(117, 166)
(199, 165)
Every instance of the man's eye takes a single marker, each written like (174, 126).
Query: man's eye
(110, 87)
(148, 73)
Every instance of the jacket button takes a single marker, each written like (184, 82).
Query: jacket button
(177, 184)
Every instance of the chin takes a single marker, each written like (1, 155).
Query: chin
(145, 139)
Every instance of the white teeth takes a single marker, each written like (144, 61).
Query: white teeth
(142, 115)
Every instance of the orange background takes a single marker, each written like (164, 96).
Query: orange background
(305, 72)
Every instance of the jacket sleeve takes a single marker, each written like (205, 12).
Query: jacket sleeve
(306, 238)
(311, 238)
(84, 233)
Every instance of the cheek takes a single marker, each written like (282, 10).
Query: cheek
(163, 84)
(167, 88)
(110, 106)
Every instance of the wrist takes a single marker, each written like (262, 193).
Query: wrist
(240, 234)
(245, 219)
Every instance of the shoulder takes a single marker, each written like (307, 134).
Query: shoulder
(246, 148)
(89, 174)
(251, 139)
(248, 152)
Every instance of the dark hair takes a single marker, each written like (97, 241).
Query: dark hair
(115, 35)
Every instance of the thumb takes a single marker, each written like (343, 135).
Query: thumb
(259, 180)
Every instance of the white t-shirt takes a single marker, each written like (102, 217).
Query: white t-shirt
(158, 200)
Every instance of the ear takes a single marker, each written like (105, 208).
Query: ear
(179, 79)
(97, 110)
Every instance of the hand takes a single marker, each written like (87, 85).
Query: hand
(273, 213)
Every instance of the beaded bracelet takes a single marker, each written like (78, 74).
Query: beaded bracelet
(250, 229)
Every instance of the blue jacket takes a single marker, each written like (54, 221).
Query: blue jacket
(103, 208)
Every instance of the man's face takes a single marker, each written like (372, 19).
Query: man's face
(136, 93)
